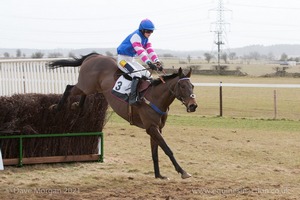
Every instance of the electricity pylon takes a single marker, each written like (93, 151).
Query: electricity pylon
(220, 27)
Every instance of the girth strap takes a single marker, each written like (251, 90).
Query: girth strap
(130, 114)
(154, 107)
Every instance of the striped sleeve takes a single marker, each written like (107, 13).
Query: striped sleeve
(138, 47)
(151, 52)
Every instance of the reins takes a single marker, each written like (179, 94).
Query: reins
(124, 73)
(153, 106)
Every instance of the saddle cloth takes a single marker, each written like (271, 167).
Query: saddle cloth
(122, 87)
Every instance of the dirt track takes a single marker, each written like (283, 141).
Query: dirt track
(225, 163)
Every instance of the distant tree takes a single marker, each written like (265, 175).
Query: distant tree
(108, 53)
(6, 55)
(208, 57)
(254, 55)
(37, 55)
(55, 55)
(189, 58)
(284, 57)
(224, 57)
(232, 55)
(19, 53)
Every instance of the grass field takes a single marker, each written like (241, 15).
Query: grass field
(228, 158)
(246, 102)
(244, 155)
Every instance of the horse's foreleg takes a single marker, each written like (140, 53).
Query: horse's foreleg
(154, 151)
(157, 137)
(64, 97)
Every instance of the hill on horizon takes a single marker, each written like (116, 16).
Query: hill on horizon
(277, 50)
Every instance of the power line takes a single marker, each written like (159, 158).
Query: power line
(269, 7)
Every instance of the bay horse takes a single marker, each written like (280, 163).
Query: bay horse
(98, 75)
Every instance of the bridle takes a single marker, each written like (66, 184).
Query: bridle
(175, 91)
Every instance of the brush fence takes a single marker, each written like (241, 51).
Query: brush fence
(24, 76)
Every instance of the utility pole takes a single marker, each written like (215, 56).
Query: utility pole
(220, 27)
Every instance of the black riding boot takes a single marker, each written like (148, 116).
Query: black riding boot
(134, 97)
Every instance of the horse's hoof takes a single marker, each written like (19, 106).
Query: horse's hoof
(53, 107)
(163, 177)
(185, 175)
(75, 105)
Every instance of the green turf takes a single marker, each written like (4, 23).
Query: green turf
(238, 123)
(226, 123)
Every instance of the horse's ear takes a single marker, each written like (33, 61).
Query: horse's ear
(180, 72)
(189, 73)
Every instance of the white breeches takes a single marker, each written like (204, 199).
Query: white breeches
(134, 69)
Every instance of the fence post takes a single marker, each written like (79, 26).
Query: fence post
(221, 100)
(21, 151)
(1, 161)
(275, 104)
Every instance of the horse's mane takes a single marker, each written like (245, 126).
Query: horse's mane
(158, 81)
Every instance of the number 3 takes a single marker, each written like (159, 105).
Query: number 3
(119, 84)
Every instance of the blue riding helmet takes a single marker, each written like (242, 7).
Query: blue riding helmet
(146, 24)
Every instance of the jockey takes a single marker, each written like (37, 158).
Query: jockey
(137, 45)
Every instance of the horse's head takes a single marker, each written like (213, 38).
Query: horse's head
(184, 91)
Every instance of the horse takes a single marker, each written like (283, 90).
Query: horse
(98, 74)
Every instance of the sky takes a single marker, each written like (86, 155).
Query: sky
(181, 25)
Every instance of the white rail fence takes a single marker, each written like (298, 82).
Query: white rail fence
(247, 85)
(32, 76)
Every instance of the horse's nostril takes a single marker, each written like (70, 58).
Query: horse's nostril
(192, 107)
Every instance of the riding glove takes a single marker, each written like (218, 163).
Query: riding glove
(151, 65)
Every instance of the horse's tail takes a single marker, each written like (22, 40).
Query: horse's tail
(69, 63)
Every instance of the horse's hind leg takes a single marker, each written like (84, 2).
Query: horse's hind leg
(154, 151)
(82, 100)
(80, 103)
(71, 90)
(64, 97)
